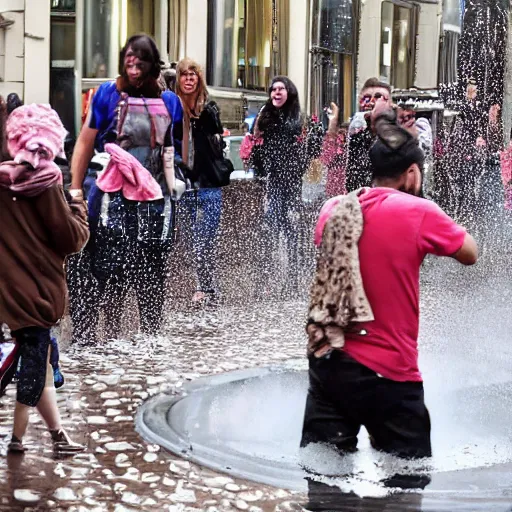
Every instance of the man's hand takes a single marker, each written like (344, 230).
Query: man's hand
(381, 105)
(494, 113)
(332, 113)
(381, 108)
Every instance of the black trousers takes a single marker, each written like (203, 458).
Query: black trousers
(331, 498)
(83, 298)
(344, 395)
(143, 269)
(283, 217)
(34, 343)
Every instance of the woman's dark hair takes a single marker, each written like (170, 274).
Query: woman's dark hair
(291, 109)
(13, 102)
(143, 47)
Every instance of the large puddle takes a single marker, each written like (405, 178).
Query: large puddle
(249, 424)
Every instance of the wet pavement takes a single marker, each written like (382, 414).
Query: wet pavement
(104, 387)
(464, 341)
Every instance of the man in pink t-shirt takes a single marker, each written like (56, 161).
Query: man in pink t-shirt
(374, 380)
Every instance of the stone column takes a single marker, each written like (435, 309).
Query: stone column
(197, 29)
(427, 54)
(37, 51)
(12, 50)
(298, 48)
(369, 41)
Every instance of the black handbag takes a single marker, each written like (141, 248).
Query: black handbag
(214, 165)
(218, 169)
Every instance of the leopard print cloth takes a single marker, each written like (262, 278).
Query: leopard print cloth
(337, 297)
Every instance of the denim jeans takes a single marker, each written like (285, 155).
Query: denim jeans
(204, 208)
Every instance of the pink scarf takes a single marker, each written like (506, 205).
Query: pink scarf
(35, 136)
(126, 174)
(26, 181)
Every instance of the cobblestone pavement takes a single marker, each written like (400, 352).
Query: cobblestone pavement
(105, 385)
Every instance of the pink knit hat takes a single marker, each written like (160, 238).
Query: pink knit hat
(35, 134)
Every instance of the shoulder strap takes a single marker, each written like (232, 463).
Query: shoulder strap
(121, 111)
(153, 123)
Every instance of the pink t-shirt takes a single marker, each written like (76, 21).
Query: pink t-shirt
(399, 230)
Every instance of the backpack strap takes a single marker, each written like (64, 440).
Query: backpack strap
(121, 112)
(153, 123)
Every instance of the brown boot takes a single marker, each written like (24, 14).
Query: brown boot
(62, 443)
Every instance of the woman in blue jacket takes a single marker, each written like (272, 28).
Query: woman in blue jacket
(131, 239)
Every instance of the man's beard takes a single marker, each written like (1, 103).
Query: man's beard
(412, 192)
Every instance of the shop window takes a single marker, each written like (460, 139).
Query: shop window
(398, 43)
(452, 27)
(62, 56)
(108, 23)
(140, 17)
(332, 81)
(333, 25)
(247, 42)
(62, 46)
(334, 43)
(63, 5)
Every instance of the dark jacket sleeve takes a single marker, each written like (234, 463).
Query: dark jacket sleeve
(66, 223)
(359, 168)
(209, 119)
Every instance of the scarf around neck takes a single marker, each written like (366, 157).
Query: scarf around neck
(26, 181)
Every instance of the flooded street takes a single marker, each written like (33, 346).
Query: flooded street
(105, 385)
(466, 385)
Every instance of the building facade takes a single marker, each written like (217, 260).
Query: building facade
(327, 47)
(24, 49)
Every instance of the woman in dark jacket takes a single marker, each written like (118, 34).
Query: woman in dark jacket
(288, 145)
(202, 131)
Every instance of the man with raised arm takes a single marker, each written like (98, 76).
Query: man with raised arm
(364, 311)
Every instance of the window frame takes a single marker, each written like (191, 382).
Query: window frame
(63, 12)
(278, 62)
(321, 59)
(414, 11)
